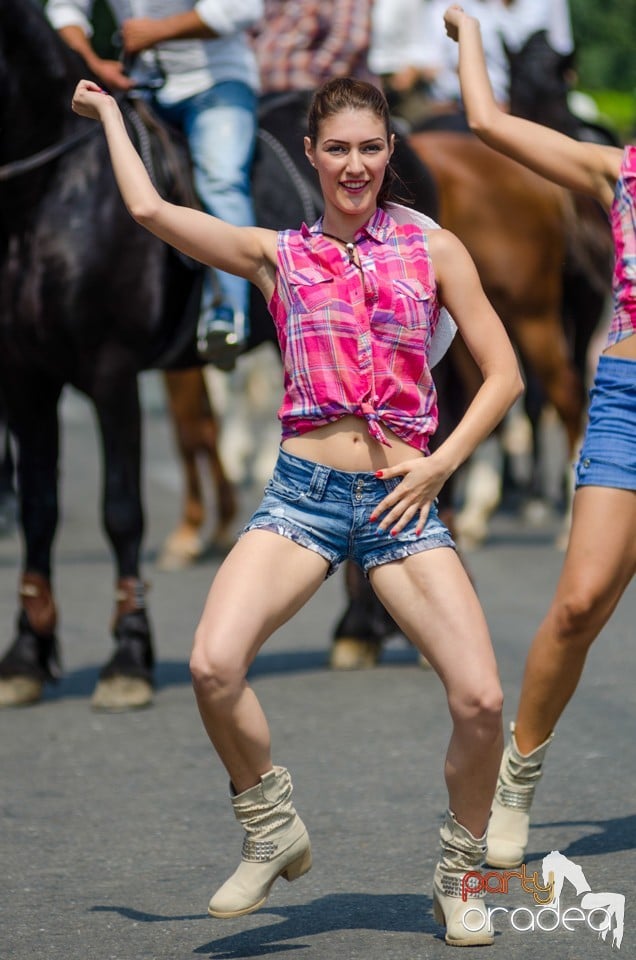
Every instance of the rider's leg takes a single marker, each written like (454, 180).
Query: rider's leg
(220, 124)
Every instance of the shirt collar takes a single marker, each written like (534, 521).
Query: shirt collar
(379, 227)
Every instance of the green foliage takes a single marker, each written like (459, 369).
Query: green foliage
(618, 109)
(104, 39)
(605, 36)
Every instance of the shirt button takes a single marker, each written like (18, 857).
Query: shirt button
(586, 462)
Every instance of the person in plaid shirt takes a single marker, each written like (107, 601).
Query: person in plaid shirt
(601, 557)
(356, 300)
(301, 43)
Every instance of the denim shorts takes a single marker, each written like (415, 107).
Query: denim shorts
(608, 454)
(328, 511)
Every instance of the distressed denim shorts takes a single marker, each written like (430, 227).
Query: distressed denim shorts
(608, 454)
(328, 511)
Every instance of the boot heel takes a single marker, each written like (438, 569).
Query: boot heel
(299, 867)
(438, 913)
(276, 844)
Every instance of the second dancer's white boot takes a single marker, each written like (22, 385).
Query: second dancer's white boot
(510, 819)
(276, 845)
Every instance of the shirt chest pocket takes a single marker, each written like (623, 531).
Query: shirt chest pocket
(411, 303)
(309, 289)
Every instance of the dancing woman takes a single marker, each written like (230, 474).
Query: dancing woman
(356, 302)
(601, 555)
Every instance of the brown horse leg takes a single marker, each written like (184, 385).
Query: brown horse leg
(544, 348)
(196, 433)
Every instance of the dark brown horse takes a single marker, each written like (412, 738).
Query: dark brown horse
(87, 298)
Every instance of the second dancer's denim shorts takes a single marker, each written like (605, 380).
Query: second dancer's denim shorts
(608, 454)
(328, 511)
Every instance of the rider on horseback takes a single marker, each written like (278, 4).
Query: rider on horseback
(197, 68)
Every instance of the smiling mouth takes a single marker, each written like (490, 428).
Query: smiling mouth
(354, 186)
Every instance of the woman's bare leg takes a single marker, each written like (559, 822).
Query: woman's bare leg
(263, 582)
(599, 565)
(432, 599)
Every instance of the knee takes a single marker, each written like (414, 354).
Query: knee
(216, 676)
(575, 616)
(479, 709)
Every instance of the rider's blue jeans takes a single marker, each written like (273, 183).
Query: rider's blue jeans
(220, 126)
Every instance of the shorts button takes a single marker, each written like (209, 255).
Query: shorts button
(586, 462)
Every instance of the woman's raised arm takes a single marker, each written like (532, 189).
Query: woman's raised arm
(587, 167)
(248, 252)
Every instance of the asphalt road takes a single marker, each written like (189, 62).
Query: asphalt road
(116, 829)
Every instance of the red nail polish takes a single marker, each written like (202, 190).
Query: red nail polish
(379, 473)
(393, 533)
(372, 518)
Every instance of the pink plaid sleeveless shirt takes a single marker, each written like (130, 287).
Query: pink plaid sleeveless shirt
(623, 222)
(356, 341)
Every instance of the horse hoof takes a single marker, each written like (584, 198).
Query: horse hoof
(224, 539)
(351, 653)
(20, 691)
(117, 694)
(180, 551)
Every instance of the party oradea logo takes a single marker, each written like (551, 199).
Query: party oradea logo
(601, 913)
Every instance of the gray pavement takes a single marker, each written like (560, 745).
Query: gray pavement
(115, 830)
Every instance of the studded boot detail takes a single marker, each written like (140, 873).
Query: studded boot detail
(276, 845)
(510, 820)
(458, 892)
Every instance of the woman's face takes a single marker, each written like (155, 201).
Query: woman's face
(351, 154)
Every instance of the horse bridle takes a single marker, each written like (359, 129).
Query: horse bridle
(308, 195)
(36, 160)
(40, 159)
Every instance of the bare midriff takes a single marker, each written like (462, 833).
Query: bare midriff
(347, 445)
(625, 348)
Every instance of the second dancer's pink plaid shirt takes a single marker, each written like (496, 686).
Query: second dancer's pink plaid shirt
(623, 220)
(357, 341)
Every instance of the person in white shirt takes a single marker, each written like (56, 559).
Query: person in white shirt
(504, 23)
(444, 88)
(401, 53)
(519, 19)
(198, 51)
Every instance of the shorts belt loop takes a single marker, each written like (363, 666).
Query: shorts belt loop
(319, 481)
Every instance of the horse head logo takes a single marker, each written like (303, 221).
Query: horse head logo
(556, 869)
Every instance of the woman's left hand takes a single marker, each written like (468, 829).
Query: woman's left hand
(89, 99)
(452, 19)
(422, 480)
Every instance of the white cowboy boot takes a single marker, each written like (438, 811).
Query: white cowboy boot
(510, 818)
(458, 899)
(276, 844)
